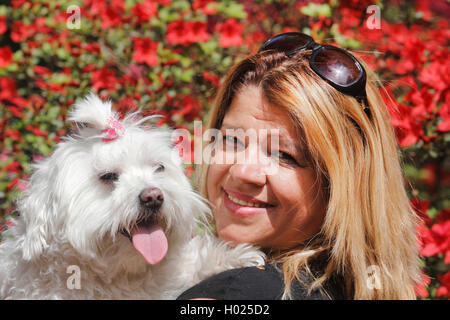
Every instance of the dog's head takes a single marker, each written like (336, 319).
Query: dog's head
(112, 179)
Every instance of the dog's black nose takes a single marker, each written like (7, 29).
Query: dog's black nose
(151, 198)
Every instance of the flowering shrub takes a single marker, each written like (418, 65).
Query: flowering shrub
(167, 57)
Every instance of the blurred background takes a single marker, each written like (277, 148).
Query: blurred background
(167, 57)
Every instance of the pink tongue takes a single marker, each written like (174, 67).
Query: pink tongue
(151, 242)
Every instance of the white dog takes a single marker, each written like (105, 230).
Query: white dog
(111, 215)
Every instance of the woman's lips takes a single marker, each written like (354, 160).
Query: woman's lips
(243, 205)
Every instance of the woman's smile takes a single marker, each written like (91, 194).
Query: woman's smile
(244, 205)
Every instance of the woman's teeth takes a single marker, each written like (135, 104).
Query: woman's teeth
(246, 203)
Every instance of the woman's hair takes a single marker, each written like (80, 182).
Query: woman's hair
(368, 238)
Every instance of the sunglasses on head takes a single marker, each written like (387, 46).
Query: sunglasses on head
(335, 65)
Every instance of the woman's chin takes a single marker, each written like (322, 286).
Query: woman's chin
(234, 238)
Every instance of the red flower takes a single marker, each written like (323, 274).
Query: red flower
(444, 112)
(444, 215)
(12, 184)
(197, 32)
(144, 11)
(145, 51)
(8, 89)
(189, 171)
(111, 17)
(421, 288)
(41, 70)
(202, 5)
(191, 108)
(15, 111)
(13, 134)
(444, 289)
(187, 32)
(19, 3)
(175, 33)
(96, 6)
(230, 33)
(436, 240)
(56, 87)
(104, 79)
(41, 84)
(407, 129)
(39, 26)
(2, 25)
(211, 78)
(92, 48)
(421, 207)
(5, 57)
(436, 75)
(20, 31)
(88, 68)
(13, 167)
(412, 55)
(36, 131)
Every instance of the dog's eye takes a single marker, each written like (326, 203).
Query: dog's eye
(109, 177)
(159, 168)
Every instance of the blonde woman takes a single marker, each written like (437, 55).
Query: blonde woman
(326, 202)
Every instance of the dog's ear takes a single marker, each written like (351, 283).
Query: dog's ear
(35, 241)
(36, 210)
(92, 112)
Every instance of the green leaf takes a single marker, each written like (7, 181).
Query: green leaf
(411, 171)
(433, 153)
(316, 10)
(232, 10)
(3, 11)
(209, 47)
(432, 212)
(342, 40)
(187, 75)
(447, 137)
(165, 15)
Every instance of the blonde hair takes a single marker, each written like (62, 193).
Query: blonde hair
(369, 224)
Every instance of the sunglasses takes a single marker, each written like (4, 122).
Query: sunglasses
(335, 65)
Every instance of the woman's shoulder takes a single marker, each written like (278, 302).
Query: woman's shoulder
(249, 283)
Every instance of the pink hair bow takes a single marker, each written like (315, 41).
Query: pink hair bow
(114, 131)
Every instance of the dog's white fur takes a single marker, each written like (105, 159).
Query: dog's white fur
(68, 217)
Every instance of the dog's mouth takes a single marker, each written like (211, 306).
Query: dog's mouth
(148, 237)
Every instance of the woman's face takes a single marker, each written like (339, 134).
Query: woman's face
(274, 202)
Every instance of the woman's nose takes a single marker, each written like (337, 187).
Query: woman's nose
(248, 173)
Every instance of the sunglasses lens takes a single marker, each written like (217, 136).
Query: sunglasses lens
(286, 42)
(336, 66)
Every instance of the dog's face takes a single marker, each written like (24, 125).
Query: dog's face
(130, 187)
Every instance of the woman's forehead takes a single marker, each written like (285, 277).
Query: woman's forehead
(249, 107)
(249, 110)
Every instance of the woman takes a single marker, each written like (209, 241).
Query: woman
(334, 219)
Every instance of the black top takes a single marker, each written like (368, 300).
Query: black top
(257, 283)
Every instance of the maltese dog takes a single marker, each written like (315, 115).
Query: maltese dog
(111, 215)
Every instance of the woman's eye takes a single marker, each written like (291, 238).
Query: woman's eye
(109, 177)
(159, 168)
(285, 158)
(234, 142)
